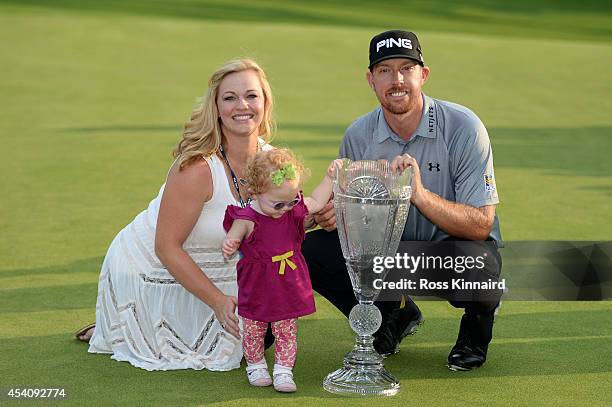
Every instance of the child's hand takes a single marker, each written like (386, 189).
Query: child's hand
(229, 247)
(333, 168)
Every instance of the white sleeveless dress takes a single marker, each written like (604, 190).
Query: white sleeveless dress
(144, 316)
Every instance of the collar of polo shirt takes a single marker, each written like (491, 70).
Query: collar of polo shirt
(427, 128)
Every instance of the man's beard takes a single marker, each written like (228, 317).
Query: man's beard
(402, 107)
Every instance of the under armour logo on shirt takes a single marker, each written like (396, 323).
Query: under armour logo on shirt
(432, 166)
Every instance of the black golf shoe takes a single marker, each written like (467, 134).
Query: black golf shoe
(398, 324)
(470, 350)
(464, 358)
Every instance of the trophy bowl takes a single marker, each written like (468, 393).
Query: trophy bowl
(371, 204)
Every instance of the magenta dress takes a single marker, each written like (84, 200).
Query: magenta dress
(273, 279)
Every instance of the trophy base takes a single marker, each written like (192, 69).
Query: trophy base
(363, 374)
(362, 382)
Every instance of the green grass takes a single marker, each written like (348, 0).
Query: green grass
(94, 95)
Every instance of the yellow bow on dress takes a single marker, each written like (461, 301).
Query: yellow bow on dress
(284, 259)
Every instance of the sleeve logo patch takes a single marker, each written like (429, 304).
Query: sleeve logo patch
(489, 182)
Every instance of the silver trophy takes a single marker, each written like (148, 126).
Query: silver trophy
(371, 204)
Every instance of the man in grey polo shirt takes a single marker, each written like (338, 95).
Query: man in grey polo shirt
(454, 193)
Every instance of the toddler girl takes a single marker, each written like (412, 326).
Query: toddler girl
(273, 280)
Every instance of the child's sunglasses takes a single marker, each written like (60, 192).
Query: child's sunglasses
(277, 206)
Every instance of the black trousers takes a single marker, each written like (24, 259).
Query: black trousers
(329, 278)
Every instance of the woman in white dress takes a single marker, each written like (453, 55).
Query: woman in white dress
(166, 297)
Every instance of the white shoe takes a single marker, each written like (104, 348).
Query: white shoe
(283, 379)
(258, 374)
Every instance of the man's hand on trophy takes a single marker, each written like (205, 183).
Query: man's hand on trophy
(326, 217)
(400, 163)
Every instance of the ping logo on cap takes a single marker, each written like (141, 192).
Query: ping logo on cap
(391, 42)
(395, 44)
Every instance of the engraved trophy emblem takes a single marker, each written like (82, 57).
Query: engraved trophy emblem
(371, 204)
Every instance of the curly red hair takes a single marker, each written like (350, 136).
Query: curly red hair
(261, 166)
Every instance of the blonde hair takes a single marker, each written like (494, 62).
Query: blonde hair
(261, 166)
(202, 134)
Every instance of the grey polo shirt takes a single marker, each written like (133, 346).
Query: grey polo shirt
(452, 148)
